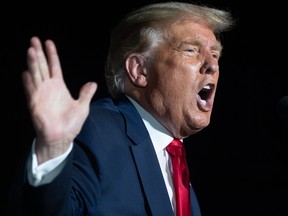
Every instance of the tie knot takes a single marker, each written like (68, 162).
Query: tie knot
(175, 148)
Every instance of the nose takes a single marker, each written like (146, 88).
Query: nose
(210, 65)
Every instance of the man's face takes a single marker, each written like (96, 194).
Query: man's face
(183, 78)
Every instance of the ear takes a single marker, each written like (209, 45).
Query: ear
(137, 69)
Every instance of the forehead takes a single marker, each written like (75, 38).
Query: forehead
(191, 30)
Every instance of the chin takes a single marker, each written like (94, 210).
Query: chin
(197, 123)
(201, 121)
(193, 129)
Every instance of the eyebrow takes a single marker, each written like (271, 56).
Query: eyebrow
(195, 41)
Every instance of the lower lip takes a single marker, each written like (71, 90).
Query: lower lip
(205, 108)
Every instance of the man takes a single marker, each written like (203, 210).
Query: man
(109, 157)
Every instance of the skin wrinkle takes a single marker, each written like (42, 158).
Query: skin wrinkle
(174, 67)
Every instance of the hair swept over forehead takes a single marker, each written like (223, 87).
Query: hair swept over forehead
(169, 12)
(140, 30)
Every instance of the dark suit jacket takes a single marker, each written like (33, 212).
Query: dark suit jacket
(112, 170)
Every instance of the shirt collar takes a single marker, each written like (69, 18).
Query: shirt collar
(159, 135)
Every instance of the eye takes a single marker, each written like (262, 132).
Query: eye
(191, 50)
(216, 54)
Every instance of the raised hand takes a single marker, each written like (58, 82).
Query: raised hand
(56, 116)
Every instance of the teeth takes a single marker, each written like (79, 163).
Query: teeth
(207, 87)
(203, 102)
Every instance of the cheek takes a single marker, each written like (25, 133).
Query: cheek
(174, 78)
(194, 67)
(183, 81)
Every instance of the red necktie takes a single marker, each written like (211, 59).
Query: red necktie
(181, 177)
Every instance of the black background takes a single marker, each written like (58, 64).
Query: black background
(238, 164)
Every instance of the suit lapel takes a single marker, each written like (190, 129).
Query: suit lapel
(152, 180)
(146, 161)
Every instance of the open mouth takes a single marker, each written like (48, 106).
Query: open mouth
(205, 95)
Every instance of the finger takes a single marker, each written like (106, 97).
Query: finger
(53, 60)
(33, 67)
(86, 93)
(40, 57)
